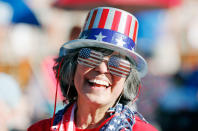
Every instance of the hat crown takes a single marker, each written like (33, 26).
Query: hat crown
(110, 28)
(111, 25)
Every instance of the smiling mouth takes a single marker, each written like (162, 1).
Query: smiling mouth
(98, 83)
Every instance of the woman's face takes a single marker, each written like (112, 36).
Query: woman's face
(97, 85)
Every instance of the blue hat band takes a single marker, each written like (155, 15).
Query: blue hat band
(110, 36)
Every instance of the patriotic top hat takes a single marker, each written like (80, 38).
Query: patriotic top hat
(110, 28)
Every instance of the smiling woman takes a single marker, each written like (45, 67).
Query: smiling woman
(99, 76)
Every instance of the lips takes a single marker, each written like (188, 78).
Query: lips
(98, 83)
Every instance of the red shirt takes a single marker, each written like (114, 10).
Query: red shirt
(44, 125)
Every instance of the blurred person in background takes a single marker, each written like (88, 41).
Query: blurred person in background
(13, 105)
(100, 75)
(178, 105)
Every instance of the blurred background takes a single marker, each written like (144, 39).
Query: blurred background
(32, 31)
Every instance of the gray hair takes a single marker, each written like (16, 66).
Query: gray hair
(65, 75)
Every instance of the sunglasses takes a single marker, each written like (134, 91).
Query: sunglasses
(116, 65)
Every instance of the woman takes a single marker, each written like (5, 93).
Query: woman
(99, 76)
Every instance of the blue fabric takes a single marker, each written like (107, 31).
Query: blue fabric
(59, 115)
(110, 36)
(180, 98)
(22, 13)
(124, 118)
(150, 28)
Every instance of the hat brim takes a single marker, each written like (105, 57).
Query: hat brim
(140, 63)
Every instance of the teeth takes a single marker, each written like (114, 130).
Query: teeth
(100, 82)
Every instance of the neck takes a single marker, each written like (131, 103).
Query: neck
(89, 115)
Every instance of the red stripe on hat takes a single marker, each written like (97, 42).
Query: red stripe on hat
(86, 20)
(103, 18)
(128, 25)
(116, 20)
(92, 19)
(135, 31)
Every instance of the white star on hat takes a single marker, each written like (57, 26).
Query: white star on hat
(100, 36)
(120, 42)
(84, 37)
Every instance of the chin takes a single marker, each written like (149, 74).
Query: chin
(96, 100)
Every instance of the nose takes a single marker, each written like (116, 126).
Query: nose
(102, 67)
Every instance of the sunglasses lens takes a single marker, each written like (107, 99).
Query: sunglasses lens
(119, 66)
(89, 57)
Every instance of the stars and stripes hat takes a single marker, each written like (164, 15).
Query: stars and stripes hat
(113, 29)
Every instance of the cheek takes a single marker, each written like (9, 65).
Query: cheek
(119, 81)
(118, 85)
(80, 74)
